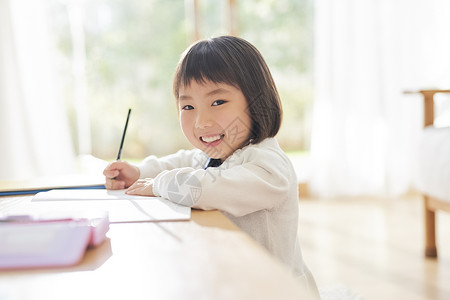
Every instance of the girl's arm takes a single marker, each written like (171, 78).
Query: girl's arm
(242, 187)
(152, 165)
(121, 174)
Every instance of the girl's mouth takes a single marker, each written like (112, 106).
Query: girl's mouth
(212, 140)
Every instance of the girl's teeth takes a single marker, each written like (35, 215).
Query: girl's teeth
(211, 138)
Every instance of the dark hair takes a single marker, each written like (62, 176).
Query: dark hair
(234, 61)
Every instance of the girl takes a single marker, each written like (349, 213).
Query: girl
(229, 110)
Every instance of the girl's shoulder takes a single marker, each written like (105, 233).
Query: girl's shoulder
(268, 145)
(267, 151)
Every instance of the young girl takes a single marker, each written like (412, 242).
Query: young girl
(229, 110)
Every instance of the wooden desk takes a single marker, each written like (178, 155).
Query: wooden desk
(205, 258)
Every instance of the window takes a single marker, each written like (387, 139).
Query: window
(120, 54)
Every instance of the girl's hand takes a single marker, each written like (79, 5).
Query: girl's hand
(120, 175)
(142, 187)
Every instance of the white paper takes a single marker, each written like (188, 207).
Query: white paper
(120, 206)
(86, 194)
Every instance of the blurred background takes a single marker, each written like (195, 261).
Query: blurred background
(87, 62)
(70, 69)
(128, 51)
(132, 49)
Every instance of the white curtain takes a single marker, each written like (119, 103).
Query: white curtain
(367, 52)
(34, 134)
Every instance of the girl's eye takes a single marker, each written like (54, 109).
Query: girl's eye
(218, 102)
(187, 107)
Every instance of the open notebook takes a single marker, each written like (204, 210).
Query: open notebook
(120, 206)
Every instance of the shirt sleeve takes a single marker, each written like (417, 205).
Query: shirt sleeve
(151, 166)
(247, 183)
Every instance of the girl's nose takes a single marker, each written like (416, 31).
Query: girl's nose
(203, 120)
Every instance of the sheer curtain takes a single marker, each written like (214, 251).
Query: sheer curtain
(34, 134)
(367, 52)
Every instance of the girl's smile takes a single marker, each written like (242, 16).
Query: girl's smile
(214, 117)
(212, 140)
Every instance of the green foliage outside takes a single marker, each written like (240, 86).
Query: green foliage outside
(133, 47)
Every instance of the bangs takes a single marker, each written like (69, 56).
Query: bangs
(205, 62)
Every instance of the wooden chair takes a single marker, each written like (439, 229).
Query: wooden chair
(431, 204)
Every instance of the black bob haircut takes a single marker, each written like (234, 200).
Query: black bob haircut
(234, 61)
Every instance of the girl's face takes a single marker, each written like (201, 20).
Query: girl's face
(214, 117)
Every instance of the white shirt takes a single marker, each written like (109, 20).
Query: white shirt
(256, 188)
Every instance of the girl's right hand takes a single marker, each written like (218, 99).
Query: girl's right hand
(120, 175)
